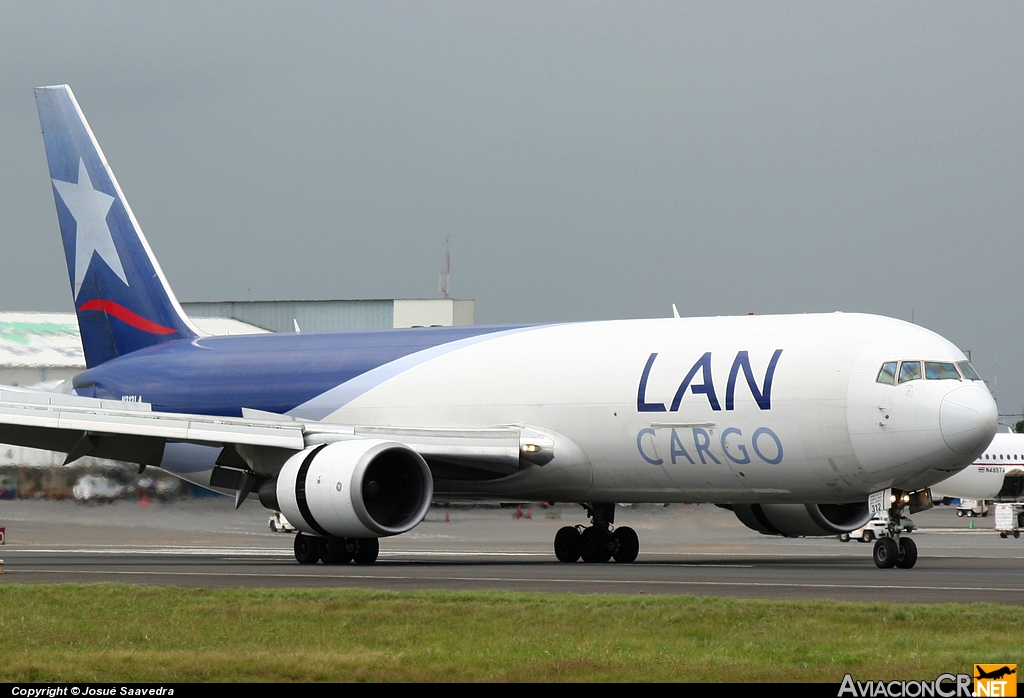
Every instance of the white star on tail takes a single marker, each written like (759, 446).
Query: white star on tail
(89, 207)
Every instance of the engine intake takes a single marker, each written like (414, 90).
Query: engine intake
(795, 520)
(364, 488)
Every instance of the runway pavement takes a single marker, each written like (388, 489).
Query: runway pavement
(700, 550)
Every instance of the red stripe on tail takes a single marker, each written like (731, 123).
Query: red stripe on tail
(122, 313)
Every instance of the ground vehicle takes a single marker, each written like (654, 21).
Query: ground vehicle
(873, 529)
(279, 524)
(1009, 517)
(972, 507)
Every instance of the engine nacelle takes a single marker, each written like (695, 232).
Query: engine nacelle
(364, 488)
(795, 520)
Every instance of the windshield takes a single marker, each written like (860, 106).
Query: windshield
(935, 371)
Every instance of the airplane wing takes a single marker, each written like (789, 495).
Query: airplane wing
(134, 432)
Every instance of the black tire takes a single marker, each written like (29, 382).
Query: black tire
(627, 545)
(886, 552)
(960, 512)
(1016, 534)
(333, 551)
(1002, 534)
(845, 537)
(307, 549)
(567, 544)
(907, 555)
(867, 536)
(595, 545)
(367, 551)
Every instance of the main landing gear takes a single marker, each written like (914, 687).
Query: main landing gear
(335, 551)
(598, 542)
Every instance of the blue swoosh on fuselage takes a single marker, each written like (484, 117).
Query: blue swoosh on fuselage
(271, 372)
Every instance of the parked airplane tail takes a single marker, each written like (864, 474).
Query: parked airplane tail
(123, 301)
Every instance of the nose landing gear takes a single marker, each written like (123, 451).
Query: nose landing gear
(598, 542)
(893, 549)
(891, 553)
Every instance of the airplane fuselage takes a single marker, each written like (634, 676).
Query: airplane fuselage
(736, 409)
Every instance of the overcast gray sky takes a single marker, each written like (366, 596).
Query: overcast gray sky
(589, 160)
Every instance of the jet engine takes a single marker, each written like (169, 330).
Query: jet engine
(795, 520)
(363, 488)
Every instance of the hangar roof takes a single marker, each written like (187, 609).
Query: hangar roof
(40, 339)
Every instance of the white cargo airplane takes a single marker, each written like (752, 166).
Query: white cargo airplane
(792, 421)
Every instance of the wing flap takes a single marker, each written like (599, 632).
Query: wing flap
(57, 422)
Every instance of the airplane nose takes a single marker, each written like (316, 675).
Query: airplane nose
(967, 419)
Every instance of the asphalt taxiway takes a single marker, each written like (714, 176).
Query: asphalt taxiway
(700, 550)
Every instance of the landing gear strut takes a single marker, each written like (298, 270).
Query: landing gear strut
(598, 542)
(335, 551)
(893, 549)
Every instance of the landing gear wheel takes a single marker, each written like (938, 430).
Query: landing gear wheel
(367, 551)
(334, 551)
(596, 545)
(567, 544)
(907, 555)
(307, 549)
(627, 544)
(886, 552)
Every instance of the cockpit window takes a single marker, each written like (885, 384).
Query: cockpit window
(887, 374)
(910, 371)
(929, 370)
(968, 371)
(935, 371)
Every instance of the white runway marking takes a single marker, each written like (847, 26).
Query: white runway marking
(524, 580)
(963, 552)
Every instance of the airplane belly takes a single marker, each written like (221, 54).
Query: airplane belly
(191, 463)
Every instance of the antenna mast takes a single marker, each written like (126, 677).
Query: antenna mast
(444, 278)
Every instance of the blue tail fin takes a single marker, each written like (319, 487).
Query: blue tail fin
(122, 298)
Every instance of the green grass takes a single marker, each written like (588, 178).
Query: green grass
(132, 633)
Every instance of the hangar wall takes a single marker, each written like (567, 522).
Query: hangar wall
(334, 315)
